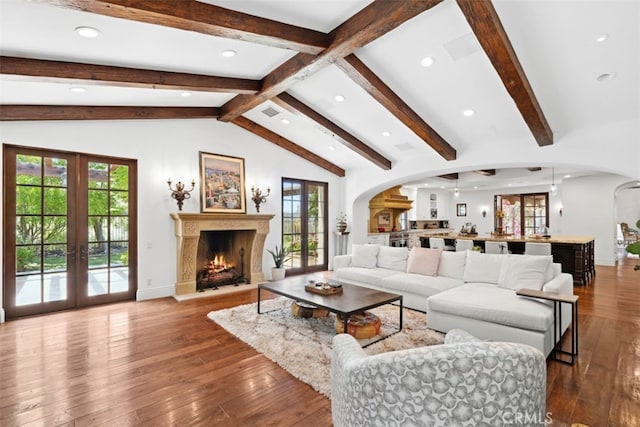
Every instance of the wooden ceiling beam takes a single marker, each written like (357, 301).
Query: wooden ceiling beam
(297, 107)
(486, 172)
(374, 86)
(486, 25)
(371, 22)
(449, 176)
(86, 112)
(200, 17)
(90, 74)
(282, 142)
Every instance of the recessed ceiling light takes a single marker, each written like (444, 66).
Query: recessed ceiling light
(78, 89)
(602, 37)
(426, 184)
(331, 147)
(228, 53)
(427, 61)
(339, 98)
(567, 176)
(386, 133)
(185, 94)
(285, 121)
(88, 32)
(442, 187)
(468, 113)
(606, 77)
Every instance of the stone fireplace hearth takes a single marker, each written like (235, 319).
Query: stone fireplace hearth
(251, 234)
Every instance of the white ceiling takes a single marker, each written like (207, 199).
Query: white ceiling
(555, 42)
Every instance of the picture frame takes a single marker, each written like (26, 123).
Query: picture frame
(384, 219)
(222, 184)
(461, 209)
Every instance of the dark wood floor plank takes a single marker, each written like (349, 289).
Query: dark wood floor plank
(161, 362)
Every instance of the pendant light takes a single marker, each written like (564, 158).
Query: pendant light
(456, 193)
(553, 190)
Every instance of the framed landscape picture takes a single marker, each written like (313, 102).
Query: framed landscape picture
(221, 184)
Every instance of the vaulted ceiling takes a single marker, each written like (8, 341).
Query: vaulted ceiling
(529, 70)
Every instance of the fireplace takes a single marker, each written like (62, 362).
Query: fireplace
(238, 238)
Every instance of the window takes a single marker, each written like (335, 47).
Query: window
(524, 214)
(304, 225)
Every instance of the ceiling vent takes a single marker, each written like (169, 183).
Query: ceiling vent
(534, 169)
(270, 112)
(462, 46)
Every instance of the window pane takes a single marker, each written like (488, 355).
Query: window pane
(119, 177)
(119, 279)
(119, 254)
(55, 286)
(119, 228)
(98, 255)
(28, 258)
(28, 170)
(98, 175)
(28, 229)
(28, 200)
(55, 229)
(55, 201)
(98, 200)
(55, 258)
(119, 203)
(55, 172)
(98, 228)
(28, 289)
(98, 282)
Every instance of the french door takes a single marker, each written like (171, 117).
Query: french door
(69, 230)
(304, 225)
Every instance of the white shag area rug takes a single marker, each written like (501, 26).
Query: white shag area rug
(303, 346)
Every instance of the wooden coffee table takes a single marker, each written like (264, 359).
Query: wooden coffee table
(353, 299)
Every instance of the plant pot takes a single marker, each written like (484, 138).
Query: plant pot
(277, 273)
(342, 227)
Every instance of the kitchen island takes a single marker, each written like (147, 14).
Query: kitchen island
(574, 253)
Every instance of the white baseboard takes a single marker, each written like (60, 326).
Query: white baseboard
(1, 315)
(152, 293)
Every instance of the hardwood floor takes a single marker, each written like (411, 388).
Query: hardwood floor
(161, 362)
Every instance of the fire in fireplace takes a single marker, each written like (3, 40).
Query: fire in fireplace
(223, 262)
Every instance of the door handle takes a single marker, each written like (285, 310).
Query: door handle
(83, 253)
(72, 254)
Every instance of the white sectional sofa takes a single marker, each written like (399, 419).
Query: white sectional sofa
(467, 290)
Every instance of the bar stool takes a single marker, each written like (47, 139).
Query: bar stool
(463, 245)
(531, 248)
(438, 242)
(498, 247)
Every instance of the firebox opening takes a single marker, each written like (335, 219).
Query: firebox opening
(223, 258)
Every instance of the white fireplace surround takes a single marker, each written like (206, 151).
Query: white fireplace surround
(188, 227)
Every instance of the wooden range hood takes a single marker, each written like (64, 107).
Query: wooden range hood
(385, 209)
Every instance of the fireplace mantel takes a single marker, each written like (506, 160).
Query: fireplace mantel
(188, 227)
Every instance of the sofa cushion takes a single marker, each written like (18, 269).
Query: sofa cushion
(452, 264)
(372, 276)
(484, 268)
(493, 304)
(424, 261)
(365, 256)
(393, 258)
(524, 271)
(419, 284)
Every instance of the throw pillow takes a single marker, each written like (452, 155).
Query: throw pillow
(524, 271)
(484, 268)
(364, 256)
(424, 261)
(393, 258)
(452, 264)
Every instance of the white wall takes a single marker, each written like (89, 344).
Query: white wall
(169, 149)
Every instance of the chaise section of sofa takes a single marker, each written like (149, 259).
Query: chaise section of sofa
(467, 290)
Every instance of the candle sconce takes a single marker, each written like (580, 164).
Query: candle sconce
(179, 193)
(259, 198)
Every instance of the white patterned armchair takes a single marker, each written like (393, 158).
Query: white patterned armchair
(463, 382)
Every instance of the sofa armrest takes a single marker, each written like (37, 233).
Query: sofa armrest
(341, 261)
(561, 284)
(457, 336)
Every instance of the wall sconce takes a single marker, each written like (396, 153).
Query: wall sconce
(560, 211)
(179, 193)
(258, 197)
(484, 213)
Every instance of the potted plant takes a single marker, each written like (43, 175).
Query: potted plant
(342, 222)
(279, 258)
